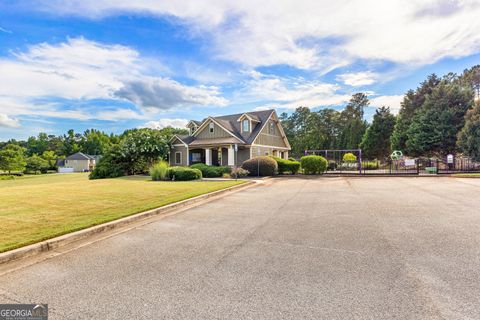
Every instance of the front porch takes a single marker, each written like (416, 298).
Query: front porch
(218, 155)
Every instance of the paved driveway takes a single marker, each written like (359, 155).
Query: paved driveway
(328, 248)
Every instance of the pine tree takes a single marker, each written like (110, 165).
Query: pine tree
(469, 136)
(376, 141)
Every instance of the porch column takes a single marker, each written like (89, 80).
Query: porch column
(208, 156)
(231, 156)
(285, 154)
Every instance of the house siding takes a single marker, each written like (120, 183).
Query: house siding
(267, 139)
(78, 165)
(217, 133)
(242, 156)
(184, 152)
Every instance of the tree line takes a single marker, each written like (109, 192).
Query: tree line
(439, 117)
(132, 151)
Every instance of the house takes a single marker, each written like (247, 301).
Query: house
(78, 162)
(230, 140)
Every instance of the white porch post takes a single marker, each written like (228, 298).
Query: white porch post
(231, 156)
(286, 154)
(208, 156)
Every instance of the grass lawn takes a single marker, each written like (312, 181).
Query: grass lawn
(35, 208)
(467, 175)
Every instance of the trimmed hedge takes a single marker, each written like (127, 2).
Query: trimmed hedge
(211, 171)
(349, 157)
(287, 165)
(184, 174)
(267, 165)
(314, 164)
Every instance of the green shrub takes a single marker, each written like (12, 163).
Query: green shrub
(287, 165)
(349, 157)
(314, 164)
(211, 171)
(370, 165)
(7, 177)
(267, 165)
(159, 171)
(239, 173)
(184, 174)
(111, 165)
(292, 159)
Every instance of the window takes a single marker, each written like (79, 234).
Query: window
(271, 127)
(196, 157)
(192, 130)
(210, 127)
(246, 125)
(178, 157)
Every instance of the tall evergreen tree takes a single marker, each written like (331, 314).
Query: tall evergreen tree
(351, 121)
(412, 102)
(435, 126)
(376, 141)
(469, 136)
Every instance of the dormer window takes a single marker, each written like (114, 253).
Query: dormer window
(192, 130)
(246, 125)
(211, 127)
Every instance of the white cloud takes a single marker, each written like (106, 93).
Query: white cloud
(5, 30)
(392, 101)
(164, 94)
(319, 34)
(290, 92)
(162, 123)
(6, 121)
(358, 78)
(79, 70)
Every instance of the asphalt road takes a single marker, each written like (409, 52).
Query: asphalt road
(328, 248)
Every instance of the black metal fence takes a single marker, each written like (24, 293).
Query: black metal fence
(338, 165)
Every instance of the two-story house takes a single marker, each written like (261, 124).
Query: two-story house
(230, 140)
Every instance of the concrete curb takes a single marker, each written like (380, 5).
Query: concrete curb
(50, 244)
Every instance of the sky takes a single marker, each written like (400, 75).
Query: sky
(114, 65)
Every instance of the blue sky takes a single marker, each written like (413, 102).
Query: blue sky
(114, 65)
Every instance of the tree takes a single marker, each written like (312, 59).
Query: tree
(12, 158)
(351, 122)
(435, 126)
(469, 136)
(143, 147)
(137, 151)
(376, 141)
(472, 78)
(94, 142)
(36, 163)
(37, 145)
(70, 143)
(412, 102)
(51, 159)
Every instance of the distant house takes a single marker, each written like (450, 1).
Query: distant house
(78, 162)
(213, 140)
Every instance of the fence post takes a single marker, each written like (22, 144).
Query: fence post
(418, 166)
(360, 163)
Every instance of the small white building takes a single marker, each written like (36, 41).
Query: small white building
(79, 162)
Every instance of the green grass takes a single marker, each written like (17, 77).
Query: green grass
(467, 175)
(36, 208)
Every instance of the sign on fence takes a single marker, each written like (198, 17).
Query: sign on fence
(409, 162)
(450, 158)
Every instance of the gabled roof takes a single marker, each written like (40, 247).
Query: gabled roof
(194, 122)
(235, 126)
(232, 125)
(79, 156)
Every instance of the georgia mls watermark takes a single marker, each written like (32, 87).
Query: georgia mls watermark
(23, 311)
